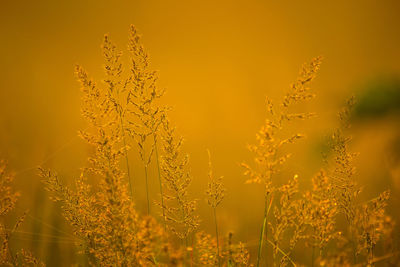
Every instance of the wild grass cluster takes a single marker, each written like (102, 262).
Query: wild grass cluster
(126, 118)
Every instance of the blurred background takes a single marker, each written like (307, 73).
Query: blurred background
(218, 60)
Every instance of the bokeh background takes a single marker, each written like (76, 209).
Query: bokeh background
(218, 60)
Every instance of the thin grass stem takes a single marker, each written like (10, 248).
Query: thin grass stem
(147, 182)
(260, 244)
(217, 235)
(147, 190)
(267, 208)
(160, 182)
(126, 158)
(282, 252)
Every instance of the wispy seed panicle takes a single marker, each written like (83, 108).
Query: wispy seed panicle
(269, 140)
(269, 155)
(215, 190)
(179, 209)
(8, 199)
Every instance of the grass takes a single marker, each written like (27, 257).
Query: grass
(126, 119)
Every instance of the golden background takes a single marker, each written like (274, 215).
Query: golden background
(218, 60)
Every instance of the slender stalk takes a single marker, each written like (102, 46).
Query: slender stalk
(370, 256)
(159, 180)
(120, 112)
(191, 252)
(126, 157)
(147, 182)
(266, 230)
(7, 237)
(216, 234)
(282, 252)
(388, 256)
(184, 240)
(147, 190)
(230, 250)
(260, 244)
(354, 245)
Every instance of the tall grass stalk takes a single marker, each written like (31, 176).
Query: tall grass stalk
(260, 243)
(217, 235)
(264, 229)
(126, 156)
(147, 183)
(160, 182)
(282, 252)
(215, 194)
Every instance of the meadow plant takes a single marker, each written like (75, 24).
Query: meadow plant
(215, 194)
(179, 208)
(321, 210)
(141, 102)
(8, 199)
(269, 155)
(105, 219)
(125, 113)
(365, 220)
